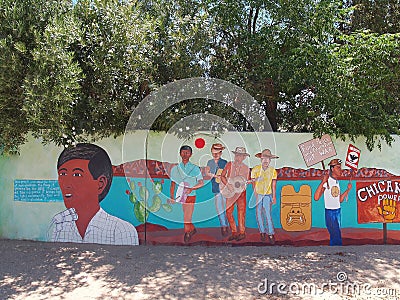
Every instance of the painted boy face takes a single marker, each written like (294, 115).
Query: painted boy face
(78, 187)
(216, 155)
(185, 155)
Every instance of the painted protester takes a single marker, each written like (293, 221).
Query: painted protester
(264, 186)
(187, 177)
(234, 178)
(85, 175)
(330, 187)
(214, 169)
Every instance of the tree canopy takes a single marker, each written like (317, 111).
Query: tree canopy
(75, 70)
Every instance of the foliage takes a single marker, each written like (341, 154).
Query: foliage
(21, 23)
(298, 64)
(181, 51)
(276, 49)
(52, 87)
(381, 16)
(367, 85)
(182, 45)
(75, 70)
(89, 66)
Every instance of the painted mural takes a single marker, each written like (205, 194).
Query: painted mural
(228, 202)
(85, 176)
(216, 192)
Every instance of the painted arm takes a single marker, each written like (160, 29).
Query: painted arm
(320, 189)
(253, 181)
(345, 193)
(199, 184)
(172, 192)
(273, 191)
(224, 178)
(208, 173)
(224, 174)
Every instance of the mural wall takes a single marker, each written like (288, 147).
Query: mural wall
(239, 188)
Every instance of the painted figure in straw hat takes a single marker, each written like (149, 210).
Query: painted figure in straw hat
(264, 186)
(330, 187)
(214, 169)
(234, 177)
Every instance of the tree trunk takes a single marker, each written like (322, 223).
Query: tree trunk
(271, 103)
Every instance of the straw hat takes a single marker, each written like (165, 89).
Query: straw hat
(216, 148)
(266, 153)
(241, 150)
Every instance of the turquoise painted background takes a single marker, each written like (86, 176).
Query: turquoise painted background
(30, 220)
(117, 203)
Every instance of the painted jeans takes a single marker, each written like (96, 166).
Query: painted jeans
(332, 221)
(263, 212)
(220, 205)
(240, 202)
(188, 208)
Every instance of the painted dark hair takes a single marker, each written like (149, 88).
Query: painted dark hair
(186, 147)
(99, 162)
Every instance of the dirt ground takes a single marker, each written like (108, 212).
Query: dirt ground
(39, 270)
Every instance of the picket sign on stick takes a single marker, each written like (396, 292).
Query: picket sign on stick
(352, 159)
(317, 150)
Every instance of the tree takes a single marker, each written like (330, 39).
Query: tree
(182, 45)
(276, 50)
(21, 23)
(74, 72)
(295, 60)
(380, 17)
(363, 98)
(110, 50)
(84, 71)
(52, 87)
(181, 51)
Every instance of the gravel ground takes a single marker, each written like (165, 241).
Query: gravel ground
(39, 270)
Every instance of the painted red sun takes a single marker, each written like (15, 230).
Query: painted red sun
(200, 143)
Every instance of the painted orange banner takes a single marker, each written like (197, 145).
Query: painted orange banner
(378, 201)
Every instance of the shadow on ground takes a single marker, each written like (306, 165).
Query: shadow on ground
(39, 270)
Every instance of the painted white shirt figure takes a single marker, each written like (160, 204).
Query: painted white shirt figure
(102, 229)
(84, 176)
(332, 194)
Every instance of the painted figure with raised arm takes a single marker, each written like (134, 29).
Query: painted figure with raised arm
(330, 187)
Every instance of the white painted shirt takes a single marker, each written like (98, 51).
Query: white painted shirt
(102, 229)
(332, 194)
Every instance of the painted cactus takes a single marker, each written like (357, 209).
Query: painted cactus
(140, 204)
